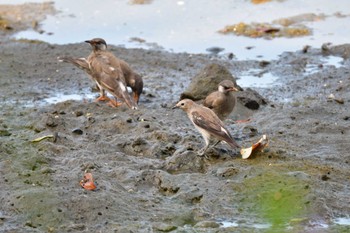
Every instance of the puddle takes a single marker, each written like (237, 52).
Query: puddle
(56, 98)
(326, 61)
(60, 97)
(227, 224)
(342, 221)
(257, 78)
(189, 25)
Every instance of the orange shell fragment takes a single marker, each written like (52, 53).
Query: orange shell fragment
(87, 182)
(260, 145)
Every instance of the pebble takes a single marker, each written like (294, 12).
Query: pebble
(77, 131)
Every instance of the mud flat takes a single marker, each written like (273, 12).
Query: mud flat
(148, 175)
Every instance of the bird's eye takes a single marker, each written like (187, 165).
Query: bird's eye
(182, 104)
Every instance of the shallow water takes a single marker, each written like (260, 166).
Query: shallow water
(257, 78)
(188, 25)
(326, 61)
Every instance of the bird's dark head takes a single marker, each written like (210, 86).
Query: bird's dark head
(97, 44)
(227, 86)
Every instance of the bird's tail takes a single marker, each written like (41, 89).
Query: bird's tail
(233, 144)
(81, 63)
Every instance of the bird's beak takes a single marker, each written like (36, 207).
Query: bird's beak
(88, 41)
(233, 89)
(174, 107)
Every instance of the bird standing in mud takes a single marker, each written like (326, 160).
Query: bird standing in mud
(223, 100)
(110, 74)
(207, 123)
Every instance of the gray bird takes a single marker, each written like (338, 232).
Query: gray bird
(110, 73)
(222, 101)
(207, 123)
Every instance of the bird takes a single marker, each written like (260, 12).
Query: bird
(222, 101)
(133, 80)
(207, 123)
(83, 64)
(110, 73)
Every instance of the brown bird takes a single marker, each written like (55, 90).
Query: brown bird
(207, 123)
(133, 80)
(109, 73)
(83, 64)
(223, 100)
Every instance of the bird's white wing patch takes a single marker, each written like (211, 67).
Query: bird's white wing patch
(224, 130)
(122, 86)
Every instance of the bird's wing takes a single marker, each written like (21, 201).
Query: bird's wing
(213, 126)
(210, 100)
(110, 77)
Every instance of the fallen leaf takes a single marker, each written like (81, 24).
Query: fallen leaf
(260, 145)
(43, 137)
(88, 182)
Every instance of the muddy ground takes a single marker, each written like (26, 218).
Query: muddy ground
(148, 175)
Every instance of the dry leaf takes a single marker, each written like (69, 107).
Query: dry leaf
(42, 138)
(87, 182)
(260, 145)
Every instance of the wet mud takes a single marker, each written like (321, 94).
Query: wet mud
(145, 165)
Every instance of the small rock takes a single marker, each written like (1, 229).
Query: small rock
(251, 99)
(207, 224)
(163, 227)
(4, 133)
(306, 48)
(325, 177)
(215, 50)
(264, 63)
(185, 161)
(51, 121)
(79, 113)
(77, 131)
(226, 172)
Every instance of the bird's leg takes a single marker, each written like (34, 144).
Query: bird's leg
(215, 144)
(114, 103)
(203, 150)
(103, 96)
(136, 98)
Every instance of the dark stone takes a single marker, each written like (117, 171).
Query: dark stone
(77, 131)
(206, 81)
(51, 121)
(4, 133)
(251, 99)
(79, 113)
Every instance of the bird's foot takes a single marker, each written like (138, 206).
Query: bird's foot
(201, 153)
(242, 121)
(114, 103)
(103, 98)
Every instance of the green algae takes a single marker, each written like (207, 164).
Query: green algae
(277, 198)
